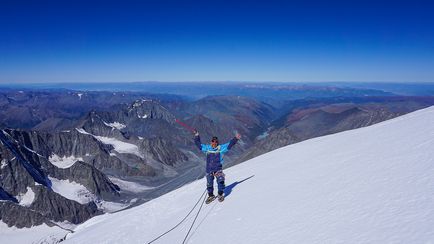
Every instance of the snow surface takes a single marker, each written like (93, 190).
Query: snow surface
(27, 198)
(370, 185)
(30, 150)
(72, 190)
(130, 186)
(63, 162)
(3, 163)
(82, 131)
(79, 193)
(37, 234)
(110, 207)
(115, 125)
(65, 224)
(120, 146)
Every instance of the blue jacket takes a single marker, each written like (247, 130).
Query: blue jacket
(214, 156)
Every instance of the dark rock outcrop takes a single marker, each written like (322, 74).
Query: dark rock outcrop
(22, 217)
(55, 207)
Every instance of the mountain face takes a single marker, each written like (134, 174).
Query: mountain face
(270, 92)
(375, 183)
(57, 110)
(145, 124)
(320, 119)
(26, 184)
(222, 116)
(155, 130)
(145, 118)
(138, 144)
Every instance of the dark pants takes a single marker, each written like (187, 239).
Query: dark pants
(220, 182)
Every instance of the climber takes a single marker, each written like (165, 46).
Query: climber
(214, 160)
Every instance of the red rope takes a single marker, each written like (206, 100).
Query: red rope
(184, 125)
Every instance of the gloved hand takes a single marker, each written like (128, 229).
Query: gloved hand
(195, 132)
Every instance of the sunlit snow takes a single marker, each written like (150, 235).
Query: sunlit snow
(115, 125)
(3, 163)
(37, 234)
(63, 162)
(72, 190)
(79, 193)
(27, 198)
(120, 146)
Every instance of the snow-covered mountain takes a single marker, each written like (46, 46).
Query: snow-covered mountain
(369, 185)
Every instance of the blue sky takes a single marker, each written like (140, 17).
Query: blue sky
(159, 40)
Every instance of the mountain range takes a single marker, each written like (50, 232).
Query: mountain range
(119, 150)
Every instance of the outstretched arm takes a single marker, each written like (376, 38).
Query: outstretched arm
(227, 146)
(197, 141)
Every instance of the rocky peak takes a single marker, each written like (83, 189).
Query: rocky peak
(149, 109)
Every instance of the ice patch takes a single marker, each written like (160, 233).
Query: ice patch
(115, 125)
(143, 116)
(64, 162)
(79, 193)
(129, 186)
(72, 190)
(30, 150)
(120, 146)
(82, 131)
(3, 163)
(27, 198)
(263, 135)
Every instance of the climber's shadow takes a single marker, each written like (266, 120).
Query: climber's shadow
(228, 189)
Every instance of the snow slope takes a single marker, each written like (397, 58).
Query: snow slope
(119, 146)
(63, 162)
(79, 193)
(41, 234)
(27, 198)
(72, 190)
(370, 185)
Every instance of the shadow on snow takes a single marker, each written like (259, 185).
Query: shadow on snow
(229, 188)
